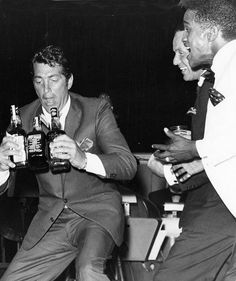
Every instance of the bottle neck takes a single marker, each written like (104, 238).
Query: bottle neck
(16, 122)
(55, 123)
(37, 128)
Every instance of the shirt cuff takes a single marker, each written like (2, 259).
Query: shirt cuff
(4, 175)
(202, 151)
(169, 175)
(94, 165)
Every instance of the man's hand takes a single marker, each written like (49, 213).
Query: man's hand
(8, 148)
(184, 171)
(179, 149)
(64, 147)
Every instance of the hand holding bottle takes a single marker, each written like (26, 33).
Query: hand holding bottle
(63, 147)
(57, 164)
(18, 135)
(8, 148)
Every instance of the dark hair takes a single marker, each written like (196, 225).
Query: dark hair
(221, 13)
(53, 55)
(179, 27)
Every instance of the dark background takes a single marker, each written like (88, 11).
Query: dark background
(122, 48)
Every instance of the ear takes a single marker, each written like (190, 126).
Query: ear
(212, 33)
(70, 82)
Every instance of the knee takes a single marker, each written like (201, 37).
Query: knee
(87, 269)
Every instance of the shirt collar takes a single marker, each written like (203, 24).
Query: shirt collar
(201, 79)
(46, 117)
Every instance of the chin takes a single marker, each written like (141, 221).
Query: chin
(187, 78)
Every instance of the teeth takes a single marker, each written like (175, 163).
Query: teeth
(183, 68)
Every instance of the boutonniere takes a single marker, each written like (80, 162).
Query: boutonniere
(192, 110)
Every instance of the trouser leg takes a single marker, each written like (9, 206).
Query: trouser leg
(95, 247)
(46, 260)
(231, 272)
(197, 256)
(70, 237)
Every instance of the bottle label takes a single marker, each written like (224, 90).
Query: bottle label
(21, 142)
(34, 144)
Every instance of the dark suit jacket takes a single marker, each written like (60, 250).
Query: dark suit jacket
(88, 195)
(204, 209)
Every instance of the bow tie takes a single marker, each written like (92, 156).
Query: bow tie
(209, 76)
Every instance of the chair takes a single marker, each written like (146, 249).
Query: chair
(148, 237)
(17, 208)
(11, 229)
(171, 205)
(142, 223)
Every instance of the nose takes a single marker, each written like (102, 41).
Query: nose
(176, 60)
(46, 86)
(185, 39)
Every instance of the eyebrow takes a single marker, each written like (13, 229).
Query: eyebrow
(52, 75)
(185, 22)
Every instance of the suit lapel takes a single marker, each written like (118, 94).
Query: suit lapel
(72, 123)
(73, 117)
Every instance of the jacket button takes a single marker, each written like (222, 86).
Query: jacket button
(52, 219)
(65, 200)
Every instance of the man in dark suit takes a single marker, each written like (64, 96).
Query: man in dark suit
(80, 214)
(203, 249)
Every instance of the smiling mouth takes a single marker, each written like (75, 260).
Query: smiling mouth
(183, 69)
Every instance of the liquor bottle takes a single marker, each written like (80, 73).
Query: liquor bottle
(56, 165)
(15, 129)
(36, 143)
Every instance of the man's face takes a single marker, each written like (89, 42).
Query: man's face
(181, 60)
(51, 85)
(197, 39)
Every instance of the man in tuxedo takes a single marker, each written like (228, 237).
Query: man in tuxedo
(202, 250)
(80, 215)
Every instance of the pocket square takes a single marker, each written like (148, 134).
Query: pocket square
(85, 144)
(215, 96)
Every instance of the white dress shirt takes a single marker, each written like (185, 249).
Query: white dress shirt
(94, 164)
(218, 147)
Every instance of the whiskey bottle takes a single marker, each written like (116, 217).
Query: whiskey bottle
(36, 143)
(15, 130)
(56, 165)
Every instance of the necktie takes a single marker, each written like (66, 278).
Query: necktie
(209, 76)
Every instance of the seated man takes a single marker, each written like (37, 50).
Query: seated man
(80, 214)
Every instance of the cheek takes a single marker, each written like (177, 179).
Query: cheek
(38, 90)
(58, 87)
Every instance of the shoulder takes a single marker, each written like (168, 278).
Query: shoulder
(30, 108)
(90, 103)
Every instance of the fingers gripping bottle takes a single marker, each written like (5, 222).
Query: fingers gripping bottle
(15, 130)
(56, 165)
